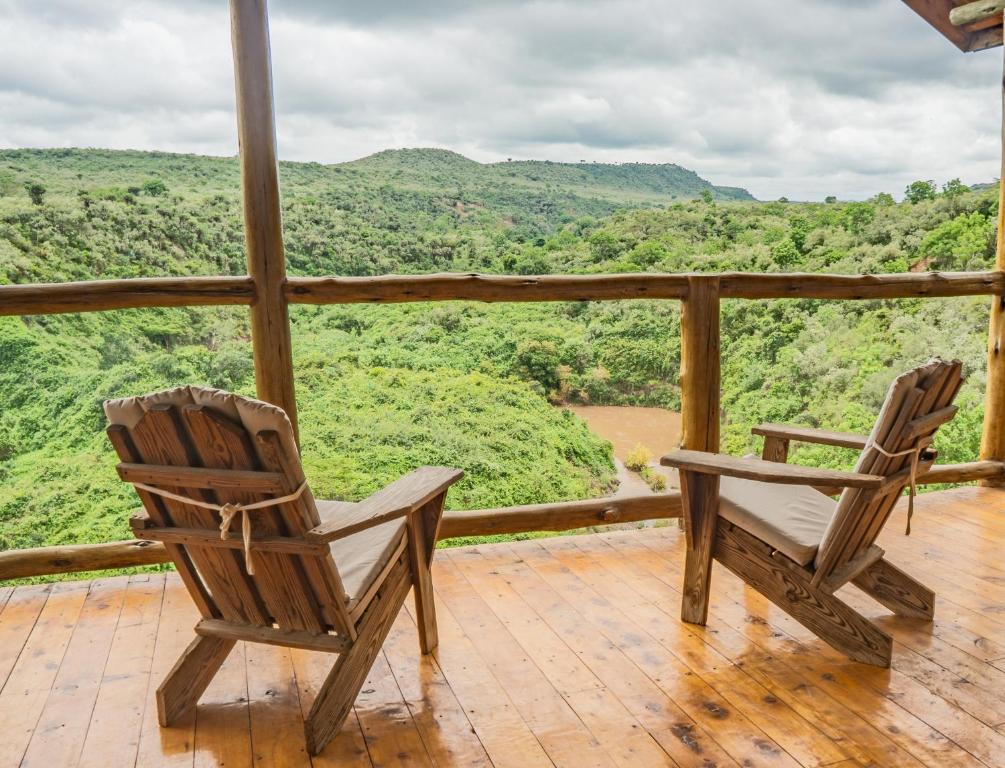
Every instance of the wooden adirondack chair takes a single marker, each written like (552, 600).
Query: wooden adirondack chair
(771, 524)
(321, 575)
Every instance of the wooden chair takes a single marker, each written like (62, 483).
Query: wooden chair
(771, 524)
(320, 575)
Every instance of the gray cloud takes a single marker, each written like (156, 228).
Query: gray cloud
(829, 97)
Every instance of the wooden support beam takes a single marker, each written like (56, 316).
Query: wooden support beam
(993, 436)
(263, 224)
(976, 11)
(450, 286)
(992, 471)
(104, 295)
(132, 293)
(699, 368)
(560, 516)
(43, 561)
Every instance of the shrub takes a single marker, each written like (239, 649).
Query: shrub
(638, 458)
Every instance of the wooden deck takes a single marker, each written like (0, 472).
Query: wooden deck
(564, 651)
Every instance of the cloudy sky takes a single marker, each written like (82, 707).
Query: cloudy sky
(845, 97)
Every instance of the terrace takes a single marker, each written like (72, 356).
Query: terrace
(556, 651)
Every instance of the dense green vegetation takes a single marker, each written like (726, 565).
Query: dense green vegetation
(383, 388)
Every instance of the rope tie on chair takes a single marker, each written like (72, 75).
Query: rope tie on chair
(228, 512)
(915, 454)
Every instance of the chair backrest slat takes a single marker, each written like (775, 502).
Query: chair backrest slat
(197, 430)
(160, 439)
(917, 403)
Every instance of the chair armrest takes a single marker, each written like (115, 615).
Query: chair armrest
(767, 471)
(400, 498)
(810, 435)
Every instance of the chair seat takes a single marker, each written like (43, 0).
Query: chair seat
(791, 518)
(361, 556)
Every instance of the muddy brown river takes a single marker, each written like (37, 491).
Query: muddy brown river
(627, 426)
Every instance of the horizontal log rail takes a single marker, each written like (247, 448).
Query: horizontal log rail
(553, 517)
(560, 516)
(73, 558)
(646, 285)
(130, 293)
(133, 293)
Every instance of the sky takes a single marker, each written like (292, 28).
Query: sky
(826, 97)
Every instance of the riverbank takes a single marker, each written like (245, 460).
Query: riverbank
(627, 427)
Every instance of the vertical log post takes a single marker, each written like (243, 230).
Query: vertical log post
(699, 369)
(700, 385)
(993, 437)
(263, 224)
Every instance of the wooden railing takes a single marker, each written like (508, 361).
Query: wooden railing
(699, 294)
(268, 292)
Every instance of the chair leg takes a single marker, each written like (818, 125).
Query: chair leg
(188, 678)
(701, 510)
(894, 589)
(336, 697)
(420, 549)
(788, 586)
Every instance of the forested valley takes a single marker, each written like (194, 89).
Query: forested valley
(382, 389)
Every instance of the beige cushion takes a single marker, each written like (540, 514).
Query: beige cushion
(254, 415)
(791, 518)
(361, 557)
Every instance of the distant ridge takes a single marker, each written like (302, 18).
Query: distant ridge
(645, 180)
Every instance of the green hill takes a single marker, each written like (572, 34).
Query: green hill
(384, 388)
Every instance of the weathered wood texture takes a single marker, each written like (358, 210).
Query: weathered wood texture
(767, 471)
(564, 651)
(71, 558)
(788, 586)
(560, 516)
(788, 432)
(993, 434)
(737, 285)
(263, 224)
(700, 494)
(101, 295)
(700, 365)
(976, 11)
(972, 36)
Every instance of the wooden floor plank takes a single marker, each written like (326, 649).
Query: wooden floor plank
(553, 652)
(172, 747)
(799, 691)
(348, 748)
(446, 731)
(59, 735)
(5, 593)
(554, 723)
(730, 724)
(277, 729)
(508, 740)
(866, 690)
(392, 737)
(30, 681)
(646, 706)
(222, 719)
(114, 734)
(16, 622)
